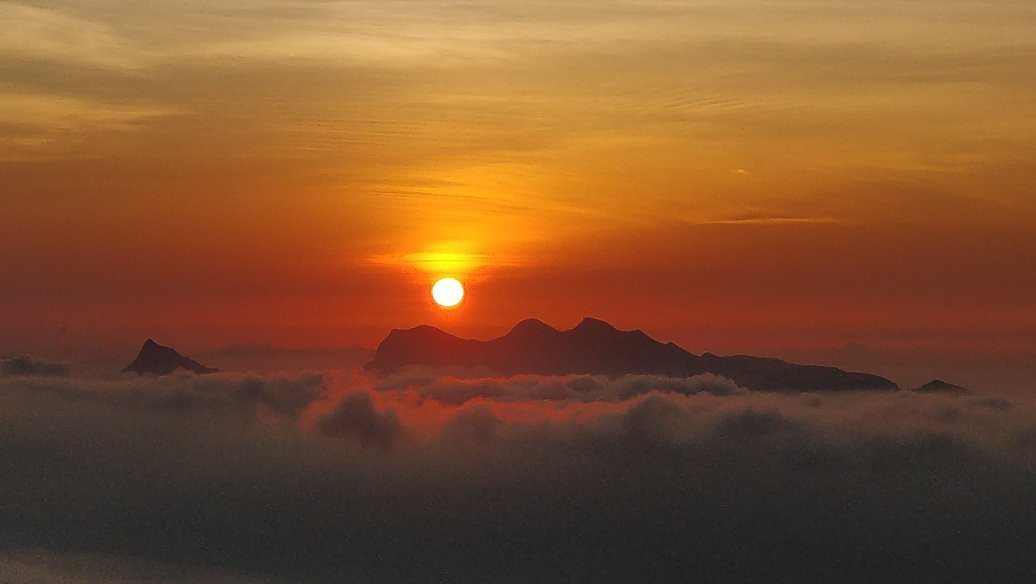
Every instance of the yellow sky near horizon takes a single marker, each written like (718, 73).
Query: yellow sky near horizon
(814, 165)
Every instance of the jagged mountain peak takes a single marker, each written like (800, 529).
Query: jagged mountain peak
(532, 325)
(156, 359)
(591, 324)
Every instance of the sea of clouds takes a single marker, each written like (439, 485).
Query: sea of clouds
(427, 476)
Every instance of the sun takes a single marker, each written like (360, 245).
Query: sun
(448, 292)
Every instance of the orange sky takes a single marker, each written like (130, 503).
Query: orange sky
(734, 176)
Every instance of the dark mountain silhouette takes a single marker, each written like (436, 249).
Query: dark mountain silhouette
(155, 359)
(596, 347)
(940, 386)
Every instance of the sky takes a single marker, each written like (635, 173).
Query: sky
(778, 178)
(271, 186)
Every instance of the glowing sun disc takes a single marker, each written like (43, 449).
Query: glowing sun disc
(448, 292)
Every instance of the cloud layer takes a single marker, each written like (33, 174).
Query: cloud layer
(463, 387)
(330, 479)
(24, 365)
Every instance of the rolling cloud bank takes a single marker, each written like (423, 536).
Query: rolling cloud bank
(424, 476)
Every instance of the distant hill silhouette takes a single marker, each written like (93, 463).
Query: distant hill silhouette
(596, 347)
(269, 359)
(940, 386)
(155, 359)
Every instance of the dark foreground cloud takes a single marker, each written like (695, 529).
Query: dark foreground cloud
(656, 487)
(24, 365)
(356, 418)
(222, 393)
(40, 566)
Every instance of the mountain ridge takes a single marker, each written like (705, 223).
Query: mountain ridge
(595, 346)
